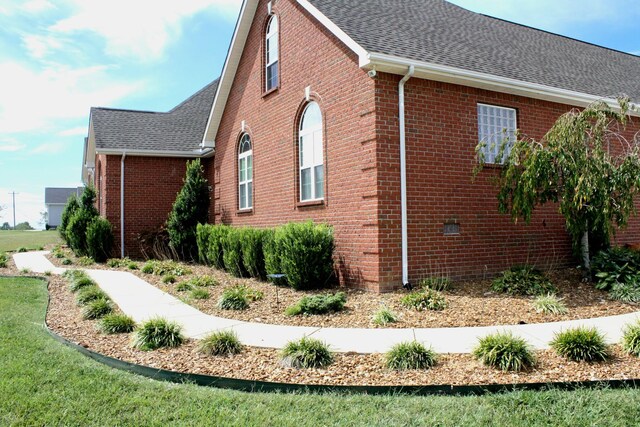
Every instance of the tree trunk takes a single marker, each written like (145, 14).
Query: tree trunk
(584, 246)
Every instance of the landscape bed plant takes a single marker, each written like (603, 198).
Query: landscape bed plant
(424, 300)
(306, 353)
(617, 270)
(631, 338)
(157, 333)
(116, 324)
(88, 294)
(3, 260)
(97, 309)
(222, 343)
(581, 344)
(318, 304)
(238, 297)
(384, 316)
(523, 280)
(410, 355)
(549, 304)
(504, 351)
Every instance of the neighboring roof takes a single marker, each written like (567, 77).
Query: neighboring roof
(54, 196)
(439, 32)
(179, 130)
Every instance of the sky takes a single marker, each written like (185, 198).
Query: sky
(58, 58)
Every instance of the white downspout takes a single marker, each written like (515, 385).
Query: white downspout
(403, 179)
(124, 155)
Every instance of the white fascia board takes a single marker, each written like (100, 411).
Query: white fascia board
(443, 73)
(157, 153)
(336, 31)
(243, 25)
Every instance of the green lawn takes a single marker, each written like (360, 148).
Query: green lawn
(12, 240)
(42, 382)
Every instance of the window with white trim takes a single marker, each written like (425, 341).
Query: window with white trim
(311, 154)
(245, 173)
(271, 54)
(496, 129)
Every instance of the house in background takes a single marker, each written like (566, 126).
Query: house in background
(366, 115)
(55, 199)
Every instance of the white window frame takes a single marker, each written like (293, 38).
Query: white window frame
(314, 132)
(245, 157)
(496, 123)
(271, 40)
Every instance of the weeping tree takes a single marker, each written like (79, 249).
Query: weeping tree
(585, 165)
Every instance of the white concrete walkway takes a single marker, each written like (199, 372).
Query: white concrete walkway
(142, 301)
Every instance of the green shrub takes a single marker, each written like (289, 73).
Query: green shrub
(203, 232)
(204, 281)
(435, 283)
(232, 253)
(215, 250)
(4, 260)
(318, 304)
(615, 265)
(157, 333)
(76, 230)
(99, 239)
(425, 300)
(580, 344)
(160, 268)
(81, 282)
(131, 265)
(147, 268)
(222, 343)
(85, 261)
(304, 252)
(72, 206)
(200, 293)
(90, 293)
(307, 353)
(22, 249)
(410, 355)
(190, 209)
(384, 316)
(523, 280)
(66, 261)
(169, 278)
(184, 287)
(234, 298)
(631, 339)
(504, 351)
(549, 304)
(251, 243)
(97, 309)
(271, 254)
(116, 324)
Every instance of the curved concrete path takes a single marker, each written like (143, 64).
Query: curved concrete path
(142, 301)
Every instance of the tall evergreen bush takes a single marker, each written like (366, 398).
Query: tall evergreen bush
(72, 206)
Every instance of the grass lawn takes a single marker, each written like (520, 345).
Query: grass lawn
(12, 240)
(42, 382)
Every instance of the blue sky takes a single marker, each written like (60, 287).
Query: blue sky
(60, 57)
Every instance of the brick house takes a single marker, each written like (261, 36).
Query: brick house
(366, 115)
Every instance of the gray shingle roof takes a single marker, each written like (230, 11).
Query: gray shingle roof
(60, 195)
(180, 129)
(439, 32)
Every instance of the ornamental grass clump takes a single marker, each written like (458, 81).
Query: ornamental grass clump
(81, 282)
(204, 281)
(425, 300)
(116, 324)
(523, 280)
(306, 353)
(238, 297)
(157, 333)
(410, 355)
(66, 261)
(549, 304)
(161, 268)
(222, 343)
(581, 344)
(85, 261)
(200, 293)
(435, 283)
(504, 351)
(97, 309)
(318, 304)
(170, 278)
(88, 294)
(384, 316)
(184, 287)
(631, 339)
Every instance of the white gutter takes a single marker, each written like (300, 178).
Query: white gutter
(158, 153)
(403, 178)
(124, 156)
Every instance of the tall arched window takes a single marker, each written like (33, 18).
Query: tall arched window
(245, 173)
(271, 51)
(311, 154)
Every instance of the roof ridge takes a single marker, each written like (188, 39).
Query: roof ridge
(199, 92)
(127, 110)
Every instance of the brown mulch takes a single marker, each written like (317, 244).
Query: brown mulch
(470, 303)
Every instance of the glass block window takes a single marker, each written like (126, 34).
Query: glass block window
(245, 173)
(496, 126)
(311, 154)
(271, 50)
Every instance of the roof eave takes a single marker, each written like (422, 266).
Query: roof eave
(198, 153)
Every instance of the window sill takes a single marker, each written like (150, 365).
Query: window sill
(310, 203)
(270, 91)
(244, 211)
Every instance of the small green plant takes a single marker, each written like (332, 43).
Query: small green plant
(435, 283)
(549, 304)
(234, 298)
(22, 249)
(523, 280)
(81, 282)
(200, 293)
(157, 333)
(614, 266)
(183, 287)
(131, 265)
(147, 268)
(222, 343)
(307, 353)
(203, 281)
(384, 316)
(85, 261)
(116, 324)
(74, 274)
(118, 262)
(57, 252)
(39, 248)
(25, 271)
(629, 291)
(88, 294)
(581, 344)
(66, 261)
(631, 339)
(504, 351)
(4, 260)
(160, 268)
(47, 273)
(425, 300)
(318, 304)
(169, 278)
(410, 355)
(97, 309)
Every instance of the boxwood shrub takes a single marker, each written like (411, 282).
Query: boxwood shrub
(232, 252)
(99, 239)
(251, 243)
(318, 304)
(215, 251)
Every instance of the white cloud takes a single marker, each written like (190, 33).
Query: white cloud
(140, 29)
(77, 131)
(49, 148)
(36, 100)
(12, 7)
(10, 145)
(40, 46)
(37, 6)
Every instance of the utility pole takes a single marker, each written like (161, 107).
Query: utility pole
(13, 193)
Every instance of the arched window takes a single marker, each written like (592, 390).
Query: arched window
(311, 154)
(245, 173)
(271, 54)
